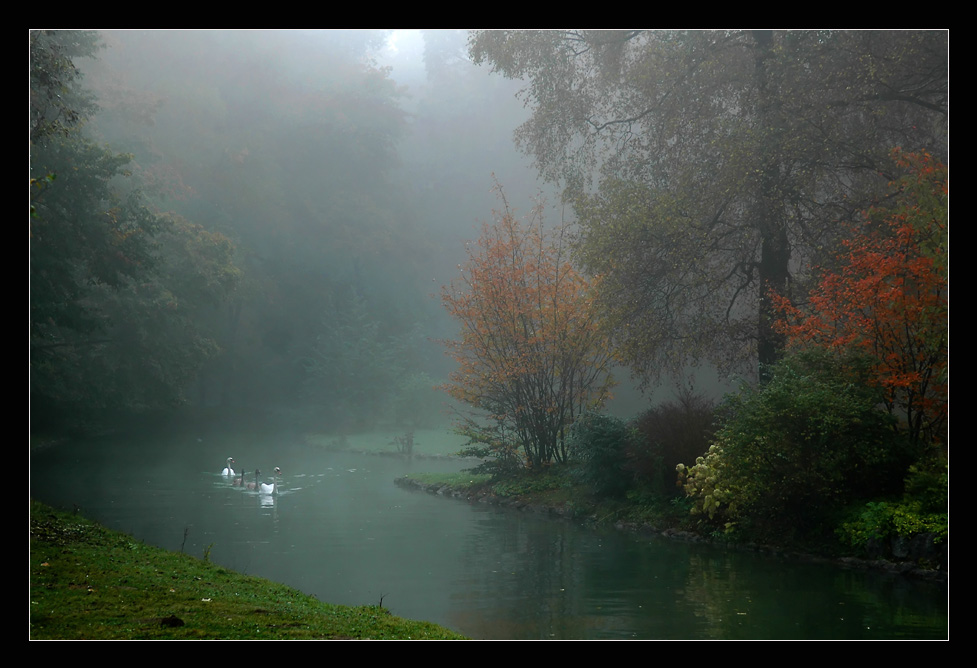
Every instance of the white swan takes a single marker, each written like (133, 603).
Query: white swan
(228, 471)
(270, 487)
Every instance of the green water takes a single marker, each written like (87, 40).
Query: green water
(343, 531)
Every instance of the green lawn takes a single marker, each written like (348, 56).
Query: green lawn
(87, 582)
(427, 442)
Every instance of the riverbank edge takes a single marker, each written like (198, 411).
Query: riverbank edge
(89, 582)
(484, 495)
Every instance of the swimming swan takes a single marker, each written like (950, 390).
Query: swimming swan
(270, 487)
(227, 469)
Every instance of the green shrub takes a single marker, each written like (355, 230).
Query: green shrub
(928, 483)
(494, 445)
(791, 453)
(922, 513)
(879, 522)
(598, 446)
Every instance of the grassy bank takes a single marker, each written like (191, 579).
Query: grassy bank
(441, 442)
(87, 582)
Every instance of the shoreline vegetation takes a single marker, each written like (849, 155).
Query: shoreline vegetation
(88, 582)
(559, 492)
(556, 495)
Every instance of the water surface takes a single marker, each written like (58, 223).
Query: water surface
(341, 530)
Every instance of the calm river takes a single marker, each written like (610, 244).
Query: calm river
(341, 530)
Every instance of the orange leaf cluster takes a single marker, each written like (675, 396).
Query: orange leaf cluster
(889, 298)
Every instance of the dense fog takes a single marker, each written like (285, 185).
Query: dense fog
(262, 222)
(345, 170)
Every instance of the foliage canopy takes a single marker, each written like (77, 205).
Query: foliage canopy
(116, 288)
(708, 167)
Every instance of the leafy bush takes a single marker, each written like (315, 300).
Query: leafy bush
(922, 514)
(929, 484)
(667, 435)
(494, 444)
(901, 530)
(708, 484)
(797, 449)
(599, 445)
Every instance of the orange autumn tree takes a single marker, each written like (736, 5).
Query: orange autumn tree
(888, 298)
(531, 357)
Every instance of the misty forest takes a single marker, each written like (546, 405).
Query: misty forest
(682, 281)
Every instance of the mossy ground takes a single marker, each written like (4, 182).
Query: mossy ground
(557, 488)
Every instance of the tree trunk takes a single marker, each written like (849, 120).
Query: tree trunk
(771, 217)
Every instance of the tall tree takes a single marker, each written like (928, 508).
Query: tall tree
(721, 160)
(531, 356)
